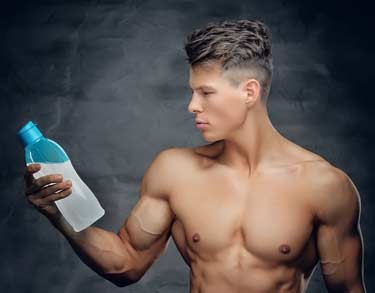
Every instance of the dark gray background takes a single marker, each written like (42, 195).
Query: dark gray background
(108, 80)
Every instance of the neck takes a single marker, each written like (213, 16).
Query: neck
(255, 143)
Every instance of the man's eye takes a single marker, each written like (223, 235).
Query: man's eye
(206, 93)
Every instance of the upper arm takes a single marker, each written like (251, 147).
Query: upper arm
(339, 239)
(146, 231)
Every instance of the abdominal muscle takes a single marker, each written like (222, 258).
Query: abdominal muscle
(236, 270)
(227, 275)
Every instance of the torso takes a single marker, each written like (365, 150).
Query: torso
(245, 234)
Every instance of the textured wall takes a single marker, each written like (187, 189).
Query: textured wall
(108, 80)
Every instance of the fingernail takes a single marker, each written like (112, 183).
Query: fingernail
(69, 182)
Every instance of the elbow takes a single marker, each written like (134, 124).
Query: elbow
(123, 279)
(124, 282)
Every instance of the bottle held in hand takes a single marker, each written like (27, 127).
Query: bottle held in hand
(81, 208)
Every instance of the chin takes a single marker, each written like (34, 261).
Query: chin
(211, 138)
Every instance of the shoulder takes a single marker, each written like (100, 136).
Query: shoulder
(192, 156)
(165, 168)
(177, 165)
(173, 157)
(166, 162)
(334, 194)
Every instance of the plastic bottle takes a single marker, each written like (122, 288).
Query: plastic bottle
(81, 208)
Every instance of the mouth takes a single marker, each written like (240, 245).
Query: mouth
(201, 125)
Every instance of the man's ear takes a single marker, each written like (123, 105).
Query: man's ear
(252, 91)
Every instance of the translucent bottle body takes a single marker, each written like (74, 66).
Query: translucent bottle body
(81, 208)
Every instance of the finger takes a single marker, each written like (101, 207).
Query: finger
(50, 190)
(39, 183)
(56, 196)
(54, 188)
(28, 173)
(62, 194)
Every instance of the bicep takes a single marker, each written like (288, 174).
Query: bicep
(147, 229)
(339, 239)
(148, 221)
(340, 255)
(142, 247)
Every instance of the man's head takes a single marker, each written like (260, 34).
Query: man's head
(230, 74)
(242, 48)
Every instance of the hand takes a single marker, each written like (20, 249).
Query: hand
(44, 191)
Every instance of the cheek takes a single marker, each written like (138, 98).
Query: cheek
(230, 114)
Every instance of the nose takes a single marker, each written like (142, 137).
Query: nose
(194, 105)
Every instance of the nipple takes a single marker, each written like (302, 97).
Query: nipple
(196, 237)
(285, 249)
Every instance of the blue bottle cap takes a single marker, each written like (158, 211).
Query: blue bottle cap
(29, 133)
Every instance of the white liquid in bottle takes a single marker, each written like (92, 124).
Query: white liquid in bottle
(80, 208)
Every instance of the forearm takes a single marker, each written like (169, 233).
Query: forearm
(101, 250)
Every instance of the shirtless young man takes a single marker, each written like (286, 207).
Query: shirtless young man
(249, 212)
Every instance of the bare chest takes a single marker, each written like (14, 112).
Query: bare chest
(268, 217)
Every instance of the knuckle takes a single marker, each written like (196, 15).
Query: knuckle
(43, 183)
(44, 192)
(56, 178)
(33, 167)
(55, 188)
(50, 190)
(29, 169)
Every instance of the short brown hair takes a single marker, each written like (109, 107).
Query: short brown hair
(241, 44)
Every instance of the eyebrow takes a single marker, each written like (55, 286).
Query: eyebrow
(203, 87)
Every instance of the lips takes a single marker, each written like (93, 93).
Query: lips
(201, 124)
(200, 121)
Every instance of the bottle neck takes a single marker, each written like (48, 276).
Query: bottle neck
(35, 141)
(29, 134)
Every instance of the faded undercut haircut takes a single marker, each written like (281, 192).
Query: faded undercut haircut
(242, 47)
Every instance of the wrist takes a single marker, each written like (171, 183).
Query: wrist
(59, 222)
